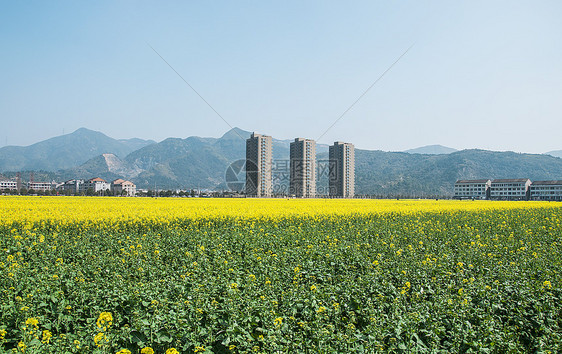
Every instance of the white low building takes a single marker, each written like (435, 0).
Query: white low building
(472, 189)
(8, 184)
(546, 190)
(41, 186)
(510, 189)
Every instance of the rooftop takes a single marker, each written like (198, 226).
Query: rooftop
(547, 183)
(473, 181)
(512, 180)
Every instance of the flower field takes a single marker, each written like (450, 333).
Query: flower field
(170, 275)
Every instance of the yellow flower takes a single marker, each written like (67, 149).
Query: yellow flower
(278, 321)
(46, 336)
(172, 351)
(104, 320)
(198, 349)
(147, 350)
(233, 286)
(321, 309)
(547, 284)
(22, 346)
(3, 334)
(98, 338)
(124, 351)
(32, 321)
(313, 288)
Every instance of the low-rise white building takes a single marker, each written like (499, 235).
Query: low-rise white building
(546, 190)
(8, 184)
(119, 186)
(472, 189)
(41, 186)
(510, 189)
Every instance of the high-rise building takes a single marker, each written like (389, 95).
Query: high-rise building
(259, 155)
(303, 168)
(342, 170)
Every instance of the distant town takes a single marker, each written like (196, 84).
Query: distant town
(303, 169)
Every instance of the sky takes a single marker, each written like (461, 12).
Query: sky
(480, 74)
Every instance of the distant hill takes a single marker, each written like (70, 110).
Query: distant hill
(556, 153)
(65, 151)
(431, 150)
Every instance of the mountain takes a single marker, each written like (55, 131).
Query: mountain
(66, 151)
(396, 173)
(431, 150)
(106, 166)
(556, 153)
(193, 162)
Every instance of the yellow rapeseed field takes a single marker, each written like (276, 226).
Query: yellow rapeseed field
(189, 275)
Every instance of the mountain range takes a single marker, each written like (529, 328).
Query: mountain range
(65, 151)
(196, 162)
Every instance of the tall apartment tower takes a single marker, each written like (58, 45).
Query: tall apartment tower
(259, 155)
(342, 170)
(303, 168)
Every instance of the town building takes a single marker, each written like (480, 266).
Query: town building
(546, 190)
(472, 189)
(259, 162)
(121, 187)
(302, 165)
(96, 185)
(41, 186)
(341, 170)
(8, 184)
(510, 189)
(71, 186)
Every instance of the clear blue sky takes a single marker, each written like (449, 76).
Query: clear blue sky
(482, 74)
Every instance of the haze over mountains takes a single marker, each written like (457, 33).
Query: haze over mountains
(431, 150)
(196, 162)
